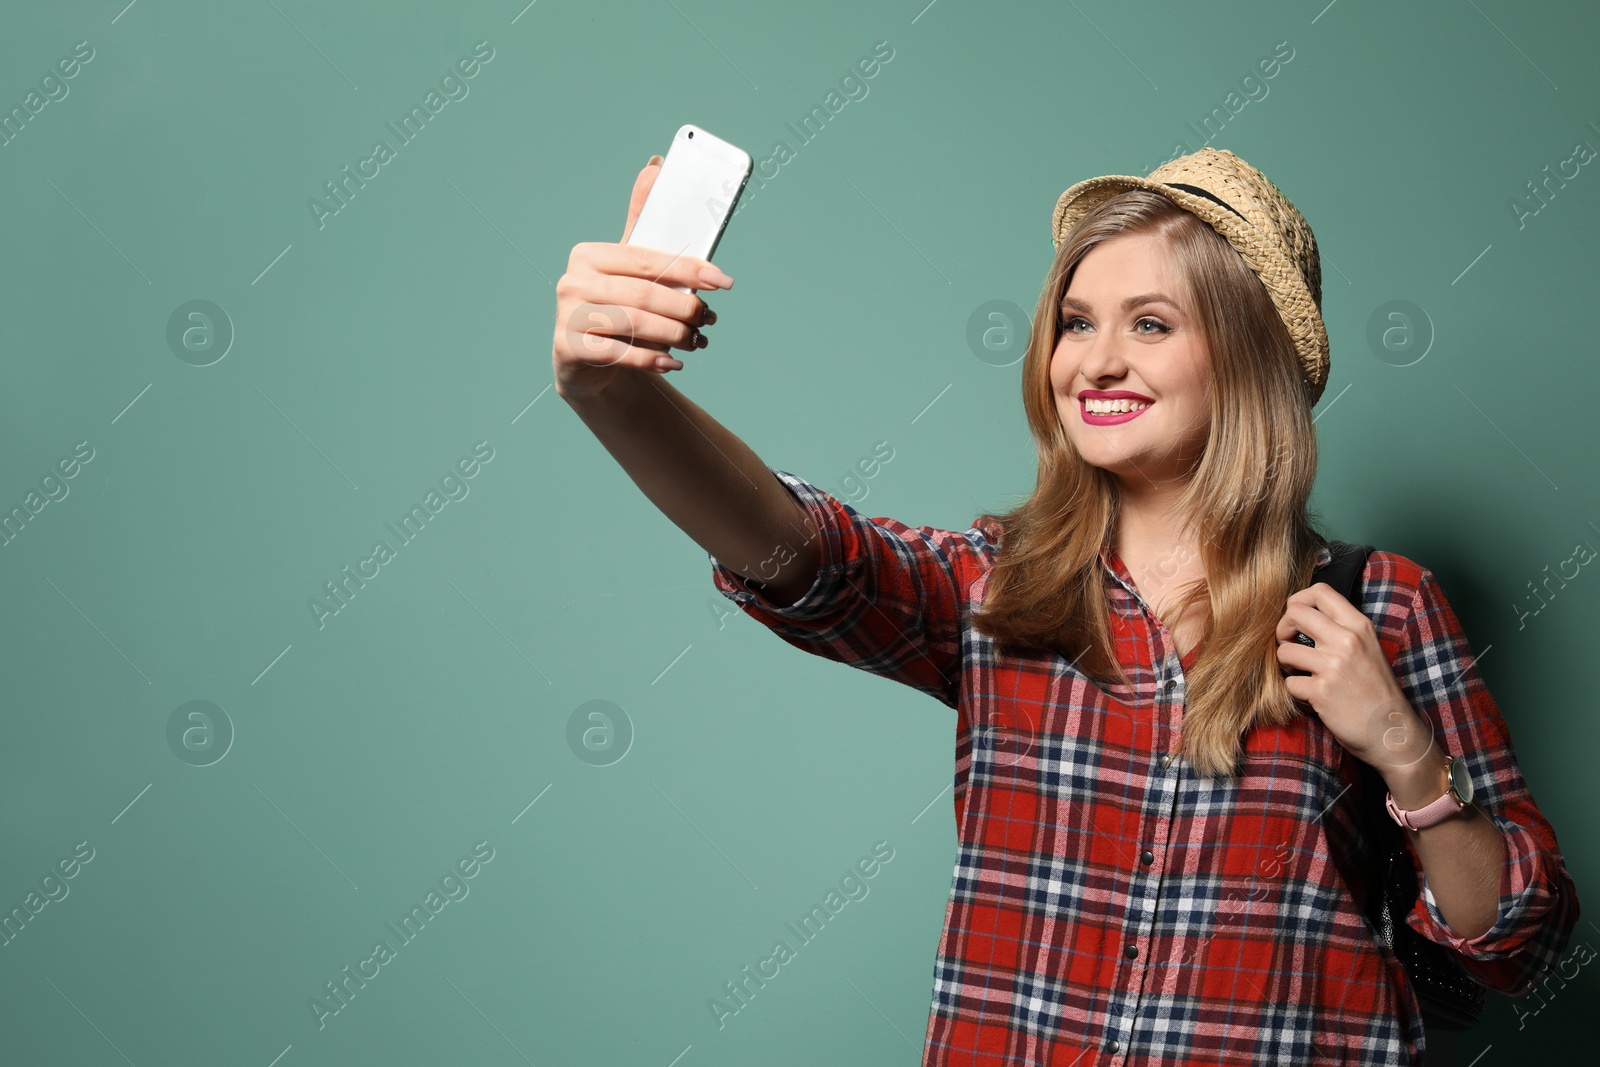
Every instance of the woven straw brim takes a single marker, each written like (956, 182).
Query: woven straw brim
(1257, 240)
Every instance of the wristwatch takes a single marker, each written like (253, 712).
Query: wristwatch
(1456, 797)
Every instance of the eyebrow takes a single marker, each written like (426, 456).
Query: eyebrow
(1127, 305)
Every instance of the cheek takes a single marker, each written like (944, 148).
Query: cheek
(1061, 370)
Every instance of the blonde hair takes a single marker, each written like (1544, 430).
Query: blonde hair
(1246, 498)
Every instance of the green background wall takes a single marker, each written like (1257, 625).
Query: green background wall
(338, 771)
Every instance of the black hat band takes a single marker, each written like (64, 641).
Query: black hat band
(1197, 191)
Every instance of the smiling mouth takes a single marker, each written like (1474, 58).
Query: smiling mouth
(1112, 415)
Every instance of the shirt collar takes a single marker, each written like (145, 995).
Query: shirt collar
(1121, 588)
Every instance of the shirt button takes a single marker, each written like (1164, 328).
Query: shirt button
(1147, 857)
(1172, 683)
(1166, 761)
(1113, 1045)
(1132, 952)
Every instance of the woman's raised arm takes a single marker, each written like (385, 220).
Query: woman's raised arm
(617, 313)
(707, 481)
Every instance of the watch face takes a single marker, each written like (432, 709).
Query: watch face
(1461, 780)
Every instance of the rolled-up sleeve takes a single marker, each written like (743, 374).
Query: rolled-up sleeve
(1538, 906)
(887, 599)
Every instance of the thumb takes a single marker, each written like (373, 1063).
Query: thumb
(641, 189)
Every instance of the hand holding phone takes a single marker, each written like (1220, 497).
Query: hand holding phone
(625, 304)
(693, 197)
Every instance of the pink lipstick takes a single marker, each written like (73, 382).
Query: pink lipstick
(1112, 419)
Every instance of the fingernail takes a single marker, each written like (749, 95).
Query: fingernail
(654, 160)
(711, 317)
(714, 277)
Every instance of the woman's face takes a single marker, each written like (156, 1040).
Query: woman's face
(1150, 346)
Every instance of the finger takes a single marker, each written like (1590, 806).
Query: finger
(641, 189)
(603, 351)
(642, 329)
(649, 296)
(1334, 604)
(1302, 618)
(652, 264)
(1288, 624)
(648, 329)
(1292, 655)
(598, 335)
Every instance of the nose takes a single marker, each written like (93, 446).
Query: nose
(1102, 360)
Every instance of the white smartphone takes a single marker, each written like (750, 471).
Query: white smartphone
(701, 180)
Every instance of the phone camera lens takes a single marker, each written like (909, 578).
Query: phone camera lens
(691, 135)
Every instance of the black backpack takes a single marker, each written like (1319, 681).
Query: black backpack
(1451, 998)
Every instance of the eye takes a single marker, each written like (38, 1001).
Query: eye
(1067, 325)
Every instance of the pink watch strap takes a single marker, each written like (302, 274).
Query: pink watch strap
(1426, 816)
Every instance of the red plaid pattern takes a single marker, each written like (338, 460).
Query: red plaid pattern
(1109, 905)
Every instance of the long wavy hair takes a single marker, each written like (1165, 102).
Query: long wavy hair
(1245, 501)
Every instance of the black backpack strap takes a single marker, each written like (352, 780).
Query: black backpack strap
(1449, 997)
(1344, 571)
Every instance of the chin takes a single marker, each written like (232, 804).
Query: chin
(1100, 457)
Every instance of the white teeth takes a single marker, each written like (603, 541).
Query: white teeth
(1112, 407)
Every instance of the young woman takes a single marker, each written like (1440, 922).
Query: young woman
(1158, 798)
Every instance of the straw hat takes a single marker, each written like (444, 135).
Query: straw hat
(1245, 207)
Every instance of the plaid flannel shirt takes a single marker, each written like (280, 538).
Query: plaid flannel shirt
(1109, 904)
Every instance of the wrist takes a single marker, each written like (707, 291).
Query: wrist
(1421, 783)
(611, 397)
